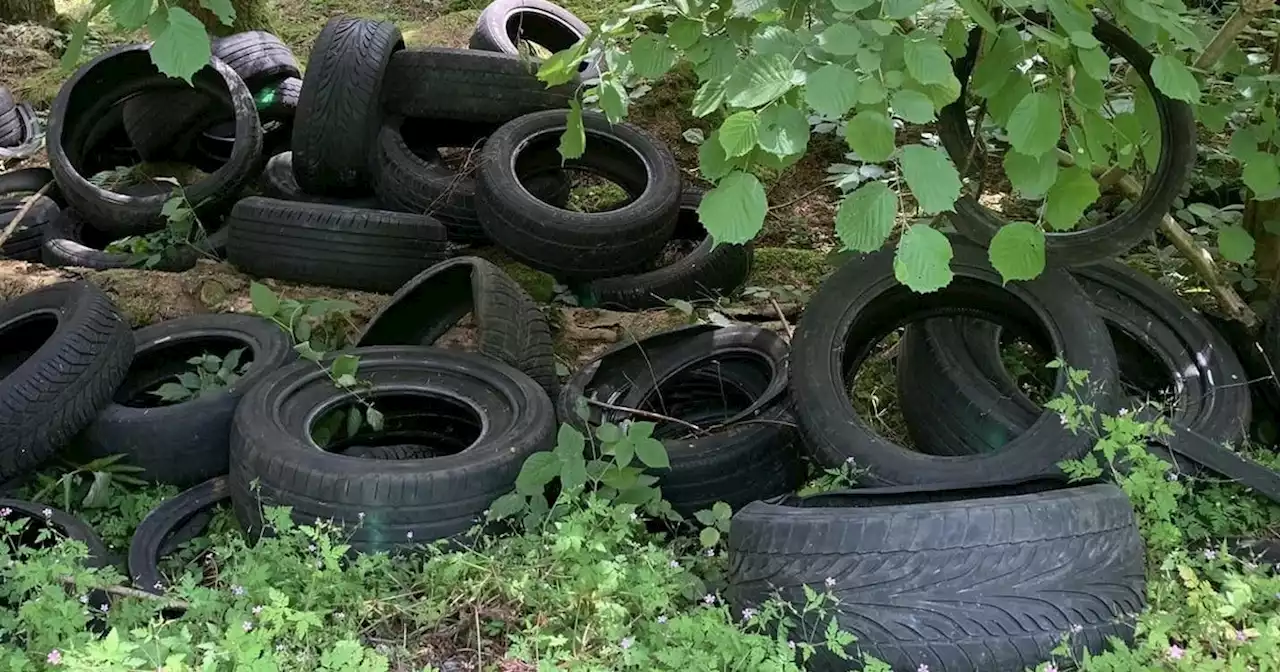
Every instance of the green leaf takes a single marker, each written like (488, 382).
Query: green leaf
(354, 420)
(307, 352)
(1095, 63)
(181, 46)
(1261, 174)
(573, 142)
(712, 161)
(709, 537)
(979, 14)
(99, 494)
(997, 66)
(131, 14)
(539, 469)
(927, 61)
(1035, 126)
(189, 380)
(932, 178)
(901, 9)
(562, 66)
(866, 217)
(652, 453)
(609, 433)
(784, 130)
(652, 55)
(684, 33)
(1174, 79)
(1067, 199)
(716, 58)
(734, 211)
(1235, 244)
(613, 99)
(507, 506)
(851, 6)
(345, 365)
(232, 360)
(573, 471)
(172, 392)
(739, 133)
(709, 97)
(264, 301)
(623, 451)
(841, 39)
(923, 259)
(375, 419)
(222, 9)
(570, 441)
(1000, 107)
(1031, 176)
(831, 90)
(759, 80)
(912, 106)
(1017, 251)
(871, 135)
(1089, 92)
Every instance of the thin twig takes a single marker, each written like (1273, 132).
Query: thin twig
(125, 591)
(479, 644)
(22, 212)
(644, 414)
(781, 316)
(799, 198)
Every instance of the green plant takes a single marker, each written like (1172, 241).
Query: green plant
(182, 229)
(209, 373)
(180, 43)
(88, 485)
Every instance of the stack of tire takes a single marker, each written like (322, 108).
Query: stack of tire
(19, 128)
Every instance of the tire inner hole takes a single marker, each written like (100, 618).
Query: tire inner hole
(707, 394)
(608, 176)
(415, 426)
(32, 532)
(22, 338)
(538, 35)
(163, 363)
(919, 495)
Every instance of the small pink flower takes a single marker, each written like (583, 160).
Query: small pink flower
(54, 657)
(238, 591)
(1176, 652)
(4, 513)
(1050, 667)
(1240, 636)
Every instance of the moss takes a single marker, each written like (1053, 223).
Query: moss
(539, 285)
(450, 30)
(774, 266)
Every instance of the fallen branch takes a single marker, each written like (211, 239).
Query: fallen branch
(125, 591)
(781, 316)
(22, 212)
(644, 414)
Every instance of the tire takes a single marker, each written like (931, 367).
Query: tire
(7, 103)
(52, 389)
(504, 22)
(164, 125)
(28, 181)
(1160, 342)
(279, 182)
(257, 56)
(336, 246)
(470, 86)
(155, 534)
(863, 301)
(418, 181)
(686, 375)
(66, 525)
(116, 76)
(709, 271)
(959, 580)
(24, 244)
(28, 140)
(1117, 235)
(70, 241)
(573, 244)
(389, 504)
(185, 443)
(284, 101)
(339, 114)
(11, 127)
(509, 326)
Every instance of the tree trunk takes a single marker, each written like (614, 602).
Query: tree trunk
(250, 15)
(28, 11)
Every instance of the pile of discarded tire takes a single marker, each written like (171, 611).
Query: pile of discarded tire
(19, 128)
(966, 551)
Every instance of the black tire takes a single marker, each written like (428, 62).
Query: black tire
(958, 580)
(29, 139)
(278, 181)
(688, 375)
(11, 127)
(257, 56)
(509, 326)
(402, 451)
(438, 83)
(185, 443)
(332, 245)
(43, 517)
(164, 125)
(575, 244)
(66, 350)
(116, 76)
(957, 396)
(24, 244)
(28, 181)
(840, 328)
(417, 180)
(339, 111)
(71, 241)
(390, 504)
(284, 101)
(7, 103)
(505, 22)
(709, 271)
(155, 534)
(1114, 236)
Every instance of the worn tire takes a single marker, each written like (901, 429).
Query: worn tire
(417, 180)
(11, 124)
(66, 525)
(278, 181)
(339, 109)
(28, 140)
(1117, 235)
(112, 78)
(390, 504)
(165, 124)
(257, 56)
(332, 245)
(154, 535)
(440, 84)
(24, 244)
(7, 102)
(70, 241)
(53, 388)
(862, 301)
(509, 326)
(707, 272)
(952, 580)
(505, 22)
(575, 244)
(186, 443)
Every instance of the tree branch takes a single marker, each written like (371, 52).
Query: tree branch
(22, 212)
